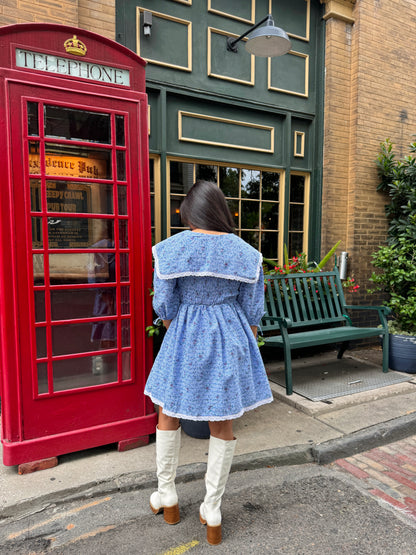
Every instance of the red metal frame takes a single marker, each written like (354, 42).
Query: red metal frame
(36, 426)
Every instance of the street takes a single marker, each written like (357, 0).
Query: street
(292, 510)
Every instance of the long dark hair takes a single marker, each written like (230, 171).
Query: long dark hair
(205, 207)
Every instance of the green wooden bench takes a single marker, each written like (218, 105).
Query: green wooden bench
(309, 309)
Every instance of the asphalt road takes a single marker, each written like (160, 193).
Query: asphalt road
(298, 510)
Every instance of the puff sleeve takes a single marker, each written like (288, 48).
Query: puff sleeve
(251, 300)
(166, 297)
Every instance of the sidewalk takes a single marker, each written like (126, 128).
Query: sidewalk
(291, 430)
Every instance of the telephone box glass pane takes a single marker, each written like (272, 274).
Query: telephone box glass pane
(122, 200)
(125, 300)
(32, 119)
(40, 342)
(125, 333)
(80, 233)
(87, 198)
(81, 268)
(84, 372)
(37, 233)
(69, 304)
(126, 370)
(84, 337)
(77, 125)
(35, 196)
(124, 234)
(121, 165)
(42, 378)
(124, 267)
(34, 163)
(39, 306)
(76, 161)
(120, 139)
(38, 271)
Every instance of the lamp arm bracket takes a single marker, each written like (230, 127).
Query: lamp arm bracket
(232, 43)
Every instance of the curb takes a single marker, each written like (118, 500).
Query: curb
(322, 453)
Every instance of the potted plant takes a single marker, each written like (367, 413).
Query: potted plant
(395, 262)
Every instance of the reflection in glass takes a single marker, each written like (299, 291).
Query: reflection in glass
(123, 234)
(124, 267)
(37, 234)
(206, 173)
(229, 181)
(32, 119)
(77, 125)
(181, 177)
(42, 378)
(81, 268)
(88, 198)
(126, 369)
(121, 165)
(234, 207)
(38, 270)
(297, 188)
(35, 195)
(296, 217)
(295, 243)
(39, 306)
(125, 300)
(270, 215)
(40, 342)
(76, 161)
(175, 212)
(120, 139)
(122, 200)
(84, 372)
(250, 215)
(125, 333)
(269, 245)
(270, 182)
(83, 337)
(80, 233)
(251, 237)
(34, 163)
(68, 304)
(250, 184)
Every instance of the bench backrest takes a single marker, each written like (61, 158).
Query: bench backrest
(308, 299)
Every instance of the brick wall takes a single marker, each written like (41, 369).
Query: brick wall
(95, 15)
(370, 92)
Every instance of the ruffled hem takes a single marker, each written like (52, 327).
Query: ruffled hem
(208, 418)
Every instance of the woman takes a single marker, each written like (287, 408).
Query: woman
(209, 291)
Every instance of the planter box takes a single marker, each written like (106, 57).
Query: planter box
(402, 353)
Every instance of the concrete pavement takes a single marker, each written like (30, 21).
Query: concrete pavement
(291, 430)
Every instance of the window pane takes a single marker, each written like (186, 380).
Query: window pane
(67, 304)
(152, 174)
(124, 267)
(39, 306)
(125, 300)
(32, 119)
(206, 173)
(269, 247)
(250, 215)
(42, 378)
(34, 163)
(84, 372)
(38, 271)
(125, 333)
(88, 198)
(78, 233)
(297, 188)
(270, 182)
(181, 177)
(122, 200)
(121, 165)
(120, 139)
(251, 237)
(76, 161)
(37, 234)
(295, 243)
(270, 215)
(296, 217)
(81, 268)
(250, 184)
(40, 342)
(78, 125)
(35, 195)
(126, 370)
(81, 338)
(123, 234)
(229, 181)
(175, 213)
(234, 206)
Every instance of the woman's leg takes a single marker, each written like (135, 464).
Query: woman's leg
(168, 440)
(220, 455)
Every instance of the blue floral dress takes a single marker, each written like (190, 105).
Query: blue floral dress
(209, 366)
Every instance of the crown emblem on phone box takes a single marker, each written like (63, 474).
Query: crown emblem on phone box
(75, 46)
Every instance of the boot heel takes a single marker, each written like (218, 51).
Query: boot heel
(171, 514)
(214, 534)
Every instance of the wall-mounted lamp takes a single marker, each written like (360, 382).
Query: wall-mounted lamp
(147, 23)
(267, 41)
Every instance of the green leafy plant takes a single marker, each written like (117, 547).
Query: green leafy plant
(395, 262)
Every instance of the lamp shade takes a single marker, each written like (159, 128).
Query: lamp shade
(268, 41)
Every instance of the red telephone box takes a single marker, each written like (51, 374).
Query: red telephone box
(75, 246)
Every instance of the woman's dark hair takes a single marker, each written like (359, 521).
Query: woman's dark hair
(205, 207)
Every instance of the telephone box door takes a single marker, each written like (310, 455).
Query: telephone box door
(81, 225)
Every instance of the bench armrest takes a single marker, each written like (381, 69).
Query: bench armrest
(283, 322)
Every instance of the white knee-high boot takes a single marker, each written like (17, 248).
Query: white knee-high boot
(165, 499)
(220, 456)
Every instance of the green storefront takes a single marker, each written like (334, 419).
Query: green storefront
(253, 125)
